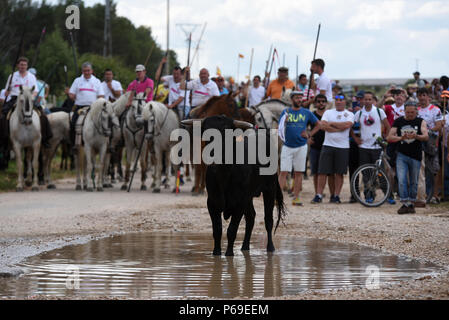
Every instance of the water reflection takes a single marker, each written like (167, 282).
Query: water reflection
(180, 265)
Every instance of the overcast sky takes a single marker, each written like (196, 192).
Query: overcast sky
(359, 39)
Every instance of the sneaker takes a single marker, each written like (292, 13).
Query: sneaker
(337, 199)
(369, 200)
(411, 209)
(332, 199)
(404, 209)
(434, 200)
(352, 200)
(297, 202)
(317, 199)
(391, 200)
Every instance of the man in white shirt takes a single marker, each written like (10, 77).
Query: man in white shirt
(371, 120)
(202, 89)
(256, 93)
(323, 84)
(85, 90)
(112, 88)
(178, 99)
(334, 157)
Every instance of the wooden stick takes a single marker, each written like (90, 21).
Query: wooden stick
(250, 69)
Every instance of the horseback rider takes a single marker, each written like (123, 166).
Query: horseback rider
(85, 90)
(22, 77)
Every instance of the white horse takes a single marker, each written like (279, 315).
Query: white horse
(268, 112)
(161, 122)
(25, 133)
(114, 152)
(96, 133)
(60, 127)
(134, 135)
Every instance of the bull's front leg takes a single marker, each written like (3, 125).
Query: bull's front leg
(215, 217)
(232, 231)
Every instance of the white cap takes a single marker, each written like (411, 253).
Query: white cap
(32, 70)
(140, 67)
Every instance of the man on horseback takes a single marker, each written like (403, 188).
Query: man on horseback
(275, 88)
(85, 90)
(26, 79)
(112, 88)
(202, 89)
(141, 84)
(176, 95)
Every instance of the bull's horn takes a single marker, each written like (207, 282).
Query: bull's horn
(242, 124)
(189, 122)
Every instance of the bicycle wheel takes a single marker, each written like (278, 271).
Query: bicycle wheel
(370, 185)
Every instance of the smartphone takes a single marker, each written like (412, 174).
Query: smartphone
(395, 91)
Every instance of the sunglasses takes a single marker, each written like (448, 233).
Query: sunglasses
(339, 97)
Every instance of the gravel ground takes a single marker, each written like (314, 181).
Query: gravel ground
(31, 223)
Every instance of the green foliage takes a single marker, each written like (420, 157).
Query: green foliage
(130, 44)
(99, 63)
(54, 50)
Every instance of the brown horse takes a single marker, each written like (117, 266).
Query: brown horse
(217, 105)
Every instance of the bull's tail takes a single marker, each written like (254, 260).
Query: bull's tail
(280, 205)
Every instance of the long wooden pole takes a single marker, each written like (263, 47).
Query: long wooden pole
(314, 56)
(250, 70)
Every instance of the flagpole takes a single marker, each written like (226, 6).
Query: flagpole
(238, 70)
(249, 80)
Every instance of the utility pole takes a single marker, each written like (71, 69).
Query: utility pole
(167, 66)
(107, 45)
(188, 29)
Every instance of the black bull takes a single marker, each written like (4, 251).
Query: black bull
(232, 187)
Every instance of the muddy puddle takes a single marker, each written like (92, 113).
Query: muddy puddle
(175, 265)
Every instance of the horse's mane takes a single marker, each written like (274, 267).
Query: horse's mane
(208, 104)
(120, 104)
(212, 101)
(274, 101)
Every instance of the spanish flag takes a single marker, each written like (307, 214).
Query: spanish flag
(241, 56)
(218, 71)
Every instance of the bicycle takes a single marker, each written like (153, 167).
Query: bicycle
(371, 184)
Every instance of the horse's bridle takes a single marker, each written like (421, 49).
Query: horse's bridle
(26, 116)
(139, 112)
(153, 119)
(100, 128)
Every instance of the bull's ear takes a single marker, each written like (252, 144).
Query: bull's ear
(242, 124)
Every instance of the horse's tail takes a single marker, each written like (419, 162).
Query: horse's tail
(280, 205)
